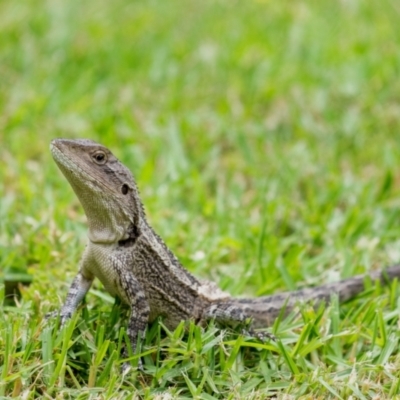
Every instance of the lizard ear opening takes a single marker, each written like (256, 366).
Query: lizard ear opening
(124, 189)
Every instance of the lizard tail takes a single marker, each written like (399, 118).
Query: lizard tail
(264, 310)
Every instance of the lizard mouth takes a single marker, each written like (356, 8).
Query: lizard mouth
(76, 174)
(72, 170)
(65, 163)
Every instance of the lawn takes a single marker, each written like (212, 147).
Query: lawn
(265, 140)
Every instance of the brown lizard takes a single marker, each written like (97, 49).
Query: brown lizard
(134, 264)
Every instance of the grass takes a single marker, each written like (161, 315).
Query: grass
(264, 138)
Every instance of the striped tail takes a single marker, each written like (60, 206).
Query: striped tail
(264, 310)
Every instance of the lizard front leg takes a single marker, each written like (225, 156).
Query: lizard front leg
(133, 294)
(77, 291)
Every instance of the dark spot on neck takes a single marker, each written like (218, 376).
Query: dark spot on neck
(133, 233)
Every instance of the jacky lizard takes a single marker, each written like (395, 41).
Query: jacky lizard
(134, 264)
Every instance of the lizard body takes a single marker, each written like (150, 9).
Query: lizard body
(134, 264)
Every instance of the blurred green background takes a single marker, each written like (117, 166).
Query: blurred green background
(252, 127)
(264, 135)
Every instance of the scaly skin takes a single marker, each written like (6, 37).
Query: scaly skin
(134, 264)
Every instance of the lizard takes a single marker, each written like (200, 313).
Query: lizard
(135, 265)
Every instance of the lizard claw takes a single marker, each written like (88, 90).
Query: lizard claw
(126, 367)
(63, 316)
(50, 315)
(261, 336)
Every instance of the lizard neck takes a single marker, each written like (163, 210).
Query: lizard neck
(107, 227)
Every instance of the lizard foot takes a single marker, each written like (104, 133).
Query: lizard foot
(261, 336)
(127, 366)
(63, 316)
(51, 315)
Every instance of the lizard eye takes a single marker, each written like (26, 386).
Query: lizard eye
(124, 188)
(99, 157)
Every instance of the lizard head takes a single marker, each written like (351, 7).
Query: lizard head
(104, 186)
